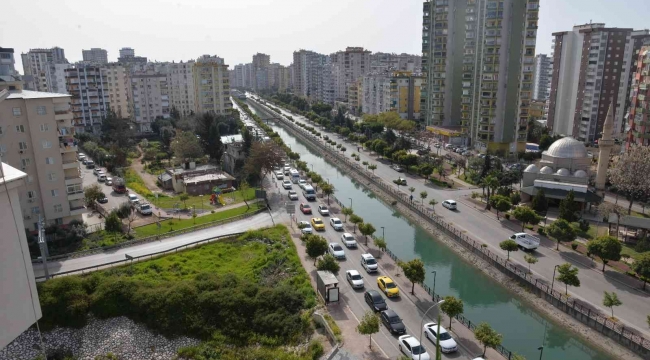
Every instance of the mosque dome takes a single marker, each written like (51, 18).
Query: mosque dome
(568, 148)
(563, 172)
(546, 170)
(532, 168)
(580, 174)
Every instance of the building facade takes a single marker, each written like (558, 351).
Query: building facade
(386, 62)
(37, 67)
(309, 68)
(10, 79)
(211, 85)
(36, 137)
(117, 78)
(348, 66)
(376, 93)
(149, 95)
(472, 83)
(95, 56)
(543, 73)
(398, 91)
(180, 83)
(590, 72)
(638, 126)
(90, 98)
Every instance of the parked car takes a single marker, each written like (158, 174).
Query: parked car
(101, 178)
(526, 241)
(355, 279)
(436, 146)
(447, 342)
(397, 168)
(305, 208)
(84, 161)
(109, 181)
(133, 199)
(392, 322)
(387, 285)
(279, 175)
(374, 299)
(412, 348)
(96, 171)
(305, 227)
(302, 183)
(323, 210)
(337, 224)
(103, 200)
(286, 184)
(318, 224)
(144, 209)
(336, 250)
(449, 204)
(369, 263)
(293, 195)
(349, 240)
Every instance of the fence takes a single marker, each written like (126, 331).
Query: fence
(582, 312)
(138, 258)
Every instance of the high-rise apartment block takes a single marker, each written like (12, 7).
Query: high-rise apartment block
(40, 70)
(9, 77)
(348, 65)
(386, 62)
(95, 55)
(117, 86)
(149, 96)
(638, 127)
(590, 72)
(127, 57)
(180, 83)
(640, 38)
(239, 74)
(90, 97)
(211, 85)
(261, 64)
(126, 52)
(308, 70)
(37, 137)
(478, 57)
(543, 73)
(398, 91)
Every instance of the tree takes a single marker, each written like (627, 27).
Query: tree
(380, 243)
(568, 208)
(327, 189)
(243, 190)
(610, 300)
(93, 193)
(452, 307)
(423, 195)
(630, 174)
(328, 263)
(561, 231)
(368, 325)
(642, 267)
(414, 271)
(412, 190)
(509, 245)
(540, 203)
(264, 157)
(433, 203)
(367, 230)
(530, 259)
(186, 146)
(248, 141)
(568, 275)
(113, 223)
(214, 146)
(184, 197)
(347, 212)
(127, 212)
(606, 248)
(500, 203)
(491, 182)
(356, 220)
(372, 167)
(487, 336)
(545, 142)
(315, 246)
(606, 208)
(526, 215)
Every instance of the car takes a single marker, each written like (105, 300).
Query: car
(437, 146)
(369, 263)
(133, 199)
(103, 200)
(279, 175)
(526, 241)
(305, 227)
(397, 168)
(293, 195)
(84, 161)
(101, 177)
(109, 181)
(449, 204)
(305, 208)
(422, 152)
(336, 250)
(349, 241)
(355, 279)
(447, 343)
(318, 224)
(144, 209)
(387, 285)
(323, 210)
(412, 348)
(392, 322)
(287, 170)
(374, 299)
(96, 171)
(337, 224)
(286, 184)
(466, 153)
(302, 183)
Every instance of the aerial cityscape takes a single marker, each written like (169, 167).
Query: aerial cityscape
(440, 179)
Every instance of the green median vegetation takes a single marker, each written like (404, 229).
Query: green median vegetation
(168, 202)
(135, 183)
(243, 295)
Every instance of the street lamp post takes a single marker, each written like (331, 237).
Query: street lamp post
(383, 233)
(553, 281)
(541, 351)
(422, 323)
(201, 196)
(350, 203)
(434, 282)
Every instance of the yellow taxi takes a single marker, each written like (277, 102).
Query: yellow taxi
(387, 285)
(318, 224)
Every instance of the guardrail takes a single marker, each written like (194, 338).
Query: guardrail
(582, 312)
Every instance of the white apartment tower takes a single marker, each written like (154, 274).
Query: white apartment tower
(40, 70)
(180, 83)
(308, 68)
(117, 77)
(349, 65)
(90, 97)
(211, 85)
(542, 82)
(149, 94)
(95, 55)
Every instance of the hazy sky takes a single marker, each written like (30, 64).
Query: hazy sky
(167, 30)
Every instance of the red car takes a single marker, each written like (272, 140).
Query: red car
(305, 208)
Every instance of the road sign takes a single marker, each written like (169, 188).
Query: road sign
(291, 208)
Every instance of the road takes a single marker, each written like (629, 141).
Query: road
(484, 226)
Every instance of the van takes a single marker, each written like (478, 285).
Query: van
(526, 241)
(369, 263)
(309, 193)
(295, 175)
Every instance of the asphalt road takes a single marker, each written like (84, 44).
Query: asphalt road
(486, 228)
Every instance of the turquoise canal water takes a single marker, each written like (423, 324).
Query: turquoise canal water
(523, 329)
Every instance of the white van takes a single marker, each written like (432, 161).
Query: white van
(526, 241)
(309, 193)
(295, 175)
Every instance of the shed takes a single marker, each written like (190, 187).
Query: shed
(328, 286)
(636, 227)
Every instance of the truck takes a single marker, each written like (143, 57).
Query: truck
(119, 185)
(526, 241)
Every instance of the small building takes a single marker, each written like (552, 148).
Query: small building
(327, 285)
(233, 153)
(196, 180)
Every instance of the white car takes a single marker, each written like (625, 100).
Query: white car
(336, 250)
(109, 181)
(293, 195)
(305, 227)
(354, 278)
(323, 210)
(447, 343)
(412, 348)
(337, 224)
(287, 184)
(449, 204)
(133, 199)
(369, 263)
(302, 183)
(144, 209)
(348, 240)
(279, 175)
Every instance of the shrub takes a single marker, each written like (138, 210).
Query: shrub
(328, 263)
(574, 245)
(316, 349)
(507, 216)
(642, 246)
(584, 225)
(541, 231)
(515, 198)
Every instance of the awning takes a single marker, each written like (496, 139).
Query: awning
(588, 197)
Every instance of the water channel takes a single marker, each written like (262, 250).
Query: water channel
(523, 329)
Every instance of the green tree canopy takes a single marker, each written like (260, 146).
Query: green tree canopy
(526, 215)
(500, 203)
(367, 230)
(530, 259)
(561, 231)
(315, 246)
(186, 146)
(642, 267)
(509, 245)
(606, 248)
(356, 220)
(610, 300)
(452, 307)
(368, 325)
(568, 275)
(328, 263)
(540, 203)
(487, 336)
(569, 208)
(414, 271)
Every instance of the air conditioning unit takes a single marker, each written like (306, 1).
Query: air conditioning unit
(27, 217)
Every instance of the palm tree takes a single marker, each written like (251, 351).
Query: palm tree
(491, 182)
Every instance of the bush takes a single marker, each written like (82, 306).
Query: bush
(515, 198)
(584, 225)
(574, 245)
(541, 231)
(642, 246)
(328, 263)
(507, 216)
(316, 349)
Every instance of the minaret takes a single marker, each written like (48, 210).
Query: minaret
(605, 145)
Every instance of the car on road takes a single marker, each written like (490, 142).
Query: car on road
(84, 161)
(109, 181)
(422, 152)
(392, 322)
(103, 200)
(374, 299)
(449, 204)
(387, 285)
(286, 184)
(369, 263)
(337, 224)
(336, 250)
(349, 241)
(305, 227)
(279, 175)
(144, 209)
(287, 170)
(318, 224)
(305, 208)
(323, 210)
(355, 279)
(412, 348)
(133, 200)
(526, 241)
(101, 177)
(96, 171)
(397, 168)
(293, 195)
(447, 342)
(302, 183)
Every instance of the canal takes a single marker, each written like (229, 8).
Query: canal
(484, 299)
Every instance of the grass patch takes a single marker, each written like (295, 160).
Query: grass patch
(175, 224)
(168, 202)
(629, 250)
(443, 184)
(335, 328)
(135, 183)
(593, 232)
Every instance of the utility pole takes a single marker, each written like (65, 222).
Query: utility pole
(42, 245)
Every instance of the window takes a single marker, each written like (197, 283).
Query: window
(31, 194)
(51, 176)
(47, 144)
(20, 128)
(0, 130)
(22, 145)
(55, 193)
(49, 160)
(16, 111)
(26, 162)
(36, 210)
(44, 127)
(58, 208)
(40, 110)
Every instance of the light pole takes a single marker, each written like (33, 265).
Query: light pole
(312, 167)
(422, 323)
(350, 203)
(541, 351)
(434, 282)
(553, 281)
(383, 233)
(201, 196)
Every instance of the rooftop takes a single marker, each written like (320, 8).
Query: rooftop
(28, 94)
(207, 177)
(568, 148)
(229, 139)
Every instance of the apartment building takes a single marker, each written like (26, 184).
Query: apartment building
(478, 58)
(386, 62)
(238, 75)
(149, 96)
(248, 76)
(590, 72)
(90, 97)
(355, 97)
(348, 66)
(638, 126)
(309, 68)
(40, 75)
(543, 73)
(397, 91)
(126, 52)
(211, 85)
(376, 93)
(127, 57)
(180, 84)
(117, 77)
(282, 79)
(95, 56)
(10, 79)
(640, 38)
(261, 64)
(36, 137)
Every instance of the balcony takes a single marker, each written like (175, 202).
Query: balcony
(70, 164)
(67, 147)
(73, 180)
(76, 195)
(66, 131)
(77, 210)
